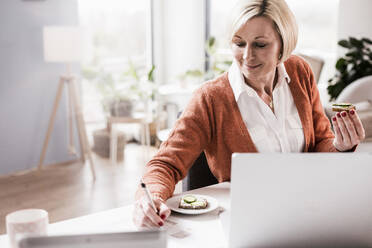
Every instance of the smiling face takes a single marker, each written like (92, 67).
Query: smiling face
(256, 47)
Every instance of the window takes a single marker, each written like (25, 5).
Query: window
(220, 11)
(117, 37)
(117, 28)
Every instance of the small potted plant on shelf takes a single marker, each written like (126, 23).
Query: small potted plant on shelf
(355, 64)
(120, 91)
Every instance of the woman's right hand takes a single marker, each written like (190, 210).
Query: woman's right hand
(145, 216)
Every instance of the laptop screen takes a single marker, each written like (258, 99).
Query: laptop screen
(301, 200)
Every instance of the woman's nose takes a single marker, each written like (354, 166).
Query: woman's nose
(248, 52)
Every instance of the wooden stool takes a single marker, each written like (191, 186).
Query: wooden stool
(145, 132)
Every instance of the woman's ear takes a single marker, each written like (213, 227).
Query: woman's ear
(279, 58)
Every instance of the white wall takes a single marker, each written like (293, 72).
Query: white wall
(179, 34)
(355, 19)
(28, 85)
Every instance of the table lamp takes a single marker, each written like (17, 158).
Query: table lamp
(63, 44)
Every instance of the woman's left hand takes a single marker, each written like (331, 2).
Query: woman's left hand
(348, 129)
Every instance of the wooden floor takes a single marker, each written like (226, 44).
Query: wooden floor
(67, 191)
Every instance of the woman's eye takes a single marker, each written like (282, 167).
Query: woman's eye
(240, 44)
(261, 45)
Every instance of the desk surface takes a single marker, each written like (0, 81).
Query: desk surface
(204, 230)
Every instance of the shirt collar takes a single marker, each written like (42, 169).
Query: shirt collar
(239, 86)
(282, 73)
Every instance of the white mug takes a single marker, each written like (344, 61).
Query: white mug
(26, 222)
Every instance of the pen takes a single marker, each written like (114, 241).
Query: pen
(148, 196)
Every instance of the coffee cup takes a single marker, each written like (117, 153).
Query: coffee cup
(26, 222)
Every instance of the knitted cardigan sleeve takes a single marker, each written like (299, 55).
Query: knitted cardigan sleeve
(322, 127)
(189, 137)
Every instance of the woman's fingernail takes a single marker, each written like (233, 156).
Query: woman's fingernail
(352, 111)
(160, 223)
(162, 216)
(334, 118)
(343, 114)
(338, 115)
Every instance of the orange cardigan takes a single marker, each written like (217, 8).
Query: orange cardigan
(212, 123)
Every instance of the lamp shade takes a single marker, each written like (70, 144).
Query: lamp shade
(62, 43)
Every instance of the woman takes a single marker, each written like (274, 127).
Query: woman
(268, 101)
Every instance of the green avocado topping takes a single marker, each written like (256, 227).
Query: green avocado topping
(189, 199)
(342, 104)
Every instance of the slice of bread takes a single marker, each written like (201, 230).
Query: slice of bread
(199, 203)
(339, 107)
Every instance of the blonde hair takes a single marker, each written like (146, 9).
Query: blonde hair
(278, 11)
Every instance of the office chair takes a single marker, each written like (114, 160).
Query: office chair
(199, 175)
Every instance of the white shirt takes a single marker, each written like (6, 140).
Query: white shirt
(270, 132)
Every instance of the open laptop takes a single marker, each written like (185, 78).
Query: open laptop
(301, 200)
(143, 239)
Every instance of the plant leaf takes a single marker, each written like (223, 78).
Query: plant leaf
(356, 43)
(211, 41)
(354, 54)
(344, 43)
(341, 64)
(366, 40)
(150, 75)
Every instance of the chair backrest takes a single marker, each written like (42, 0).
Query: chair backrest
(199, 175)
(316, 64)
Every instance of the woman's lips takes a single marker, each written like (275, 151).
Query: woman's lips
(252, 67)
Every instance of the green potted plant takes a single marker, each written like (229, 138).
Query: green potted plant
(121, 90)
(355, 64)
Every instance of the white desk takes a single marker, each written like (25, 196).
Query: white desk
(204, 230)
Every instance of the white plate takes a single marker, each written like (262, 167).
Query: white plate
(173, 204)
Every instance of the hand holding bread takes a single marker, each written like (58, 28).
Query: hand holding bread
(339, 107)
(347, 126)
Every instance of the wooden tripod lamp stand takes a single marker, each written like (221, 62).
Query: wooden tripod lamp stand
(63, 44)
